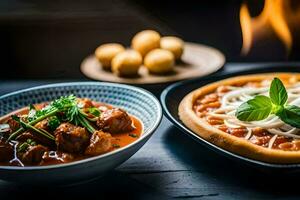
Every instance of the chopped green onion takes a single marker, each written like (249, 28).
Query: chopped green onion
(53, 122)
(94, 111)
(23, 147)
(85, 123)
(68, 107)
(27, 125)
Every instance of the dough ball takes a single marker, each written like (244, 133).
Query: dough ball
(173, 44)
(106, 52)
(127, 63)
(145, 41)
(159, 61)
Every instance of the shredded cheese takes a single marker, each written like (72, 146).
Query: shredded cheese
(271, 142)
(247, 137)
(237, 95)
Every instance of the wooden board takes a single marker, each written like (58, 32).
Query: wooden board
(197, 60)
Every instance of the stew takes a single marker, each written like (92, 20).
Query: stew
(64, 130)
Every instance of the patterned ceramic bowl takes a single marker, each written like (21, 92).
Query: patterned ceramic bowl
(134, 100)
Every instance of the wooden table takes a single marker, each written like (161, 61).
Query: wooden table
(169, 165)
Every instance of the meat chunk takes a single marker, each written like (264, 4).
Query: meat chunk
(13, 124)
(34, 154)
(35, 137)
(100, 143)
(115, 120)
(71, 138)
(85, 103)
(6, 151)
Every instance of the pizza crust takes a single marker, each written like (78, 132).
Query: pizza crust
(224, 140)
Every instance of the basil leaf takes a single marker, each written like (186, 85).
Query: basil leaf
(255, 109)
(290, 115)
(278, 92)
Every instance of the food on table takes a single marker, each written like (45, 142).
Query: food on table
(257, 116)
(173, 44)
(159, 61)
(64, 130)
(145, 41)
(106, 52)
(157, 53)
(127, 63)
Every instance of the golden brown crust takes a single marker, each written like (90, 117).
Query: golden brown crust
(224, 140)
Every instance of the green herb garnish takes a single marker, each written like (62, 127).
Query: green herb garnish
(25, 145)
(278, 94)
(67, 106)
(94, 111)
(28, 126)
(260, 107)
(53, 122)
(290, 115)
(255, 109)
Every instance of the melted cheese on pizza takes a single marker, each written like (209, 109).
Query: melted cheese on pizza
(219, 107)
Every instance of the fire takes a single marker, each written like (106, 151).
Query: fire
(246, 27)
(274, 17)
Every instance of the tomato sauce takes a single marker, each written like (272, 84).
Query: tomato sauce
(261, 137)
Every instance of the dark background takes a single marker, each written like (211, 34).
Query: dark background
(49, 39)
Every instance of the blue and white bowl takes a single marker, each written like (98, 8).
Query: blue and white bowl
(136, 101)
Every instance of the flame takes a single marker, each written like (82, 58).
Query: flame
(246, 27)
(272, 17)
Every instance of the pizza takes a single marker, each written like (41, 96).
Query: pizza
(255, 116)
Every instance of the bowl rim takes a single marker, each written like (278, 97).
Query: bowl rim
(94, 83)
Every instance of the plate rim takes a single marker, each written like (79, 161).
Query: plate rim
(215, 148)
(91, 159)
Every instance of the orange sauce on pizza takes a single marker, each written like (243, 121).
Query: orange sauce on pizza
(212, 101)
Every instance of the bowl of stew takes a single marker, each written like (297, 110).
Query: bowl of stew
(70, 132)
